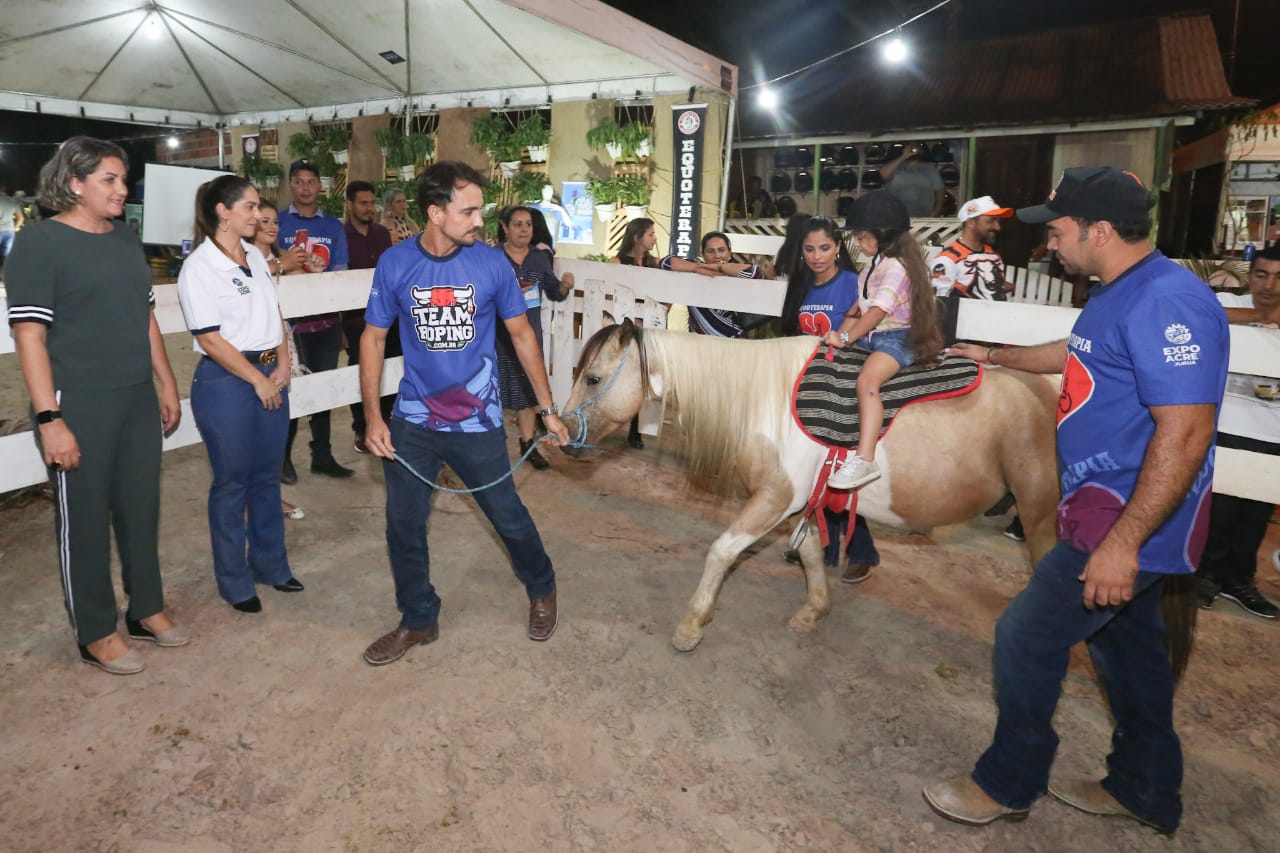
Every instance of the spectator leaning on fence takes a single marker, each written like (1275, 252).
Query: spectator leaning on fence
(1250, 420)
(79, 292)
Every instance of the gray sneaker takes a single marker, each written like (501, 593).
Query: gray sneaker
(855, 473)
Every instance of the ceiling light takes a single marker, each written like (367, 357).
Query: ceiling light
(895, 50)
(173, 142)
(768, 99)
(153, 26)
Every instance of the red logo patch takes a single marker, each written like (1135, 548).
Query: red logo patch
(1077, 387)
(815, 324)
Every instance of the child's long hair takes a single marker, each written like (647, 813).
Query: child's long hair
(800, 277)
(925, 338)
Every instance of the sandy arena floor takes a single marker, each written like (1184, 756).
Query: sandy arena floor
(270, 733)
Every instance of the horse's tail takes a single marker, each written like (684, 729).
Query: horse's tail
(1180, 609)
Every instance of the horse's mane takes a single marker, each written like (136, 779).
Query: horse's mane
(725, 392)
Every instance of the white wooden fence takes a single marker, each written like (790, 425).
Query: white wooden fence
(608, 292)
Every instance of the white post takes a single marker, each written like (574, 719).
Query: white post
(728, 161)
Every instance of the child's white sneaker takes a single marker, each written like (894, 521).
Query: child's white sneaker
(855, 473)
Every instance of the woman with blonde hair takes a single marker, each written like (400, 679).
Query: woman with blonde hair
(79, 292)
(395, 215)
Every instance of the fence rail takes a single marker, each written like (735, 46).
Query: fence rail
(609, 292)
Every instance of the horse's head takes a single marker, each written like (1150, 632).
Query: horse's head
(611, 382)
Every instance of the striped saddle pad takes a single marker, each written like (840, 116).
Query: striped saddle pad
(825, 403)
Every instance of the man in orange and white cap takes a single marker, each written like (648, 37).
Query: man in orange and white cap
(970, 267)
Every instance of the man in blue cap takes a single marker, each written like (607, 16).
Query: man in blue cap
(1143, 373)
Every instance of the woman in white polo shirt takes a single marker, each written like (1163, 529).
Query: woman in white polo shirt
(239, 395)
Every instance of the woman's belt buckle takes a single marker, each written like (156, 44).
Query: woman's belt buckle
(267, 356)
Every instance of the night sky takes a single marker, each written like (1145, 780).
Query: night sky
(765, 38)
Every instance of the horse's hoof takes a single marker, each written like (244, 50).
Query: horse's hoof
(684, 643)
(803, 622)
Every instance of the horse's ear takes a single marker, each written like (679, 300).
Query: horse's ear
(627, 326)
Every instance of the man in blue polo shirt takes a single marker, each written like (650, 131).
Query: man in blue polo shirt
(319, 337)
(446, 293)
(1143, 374)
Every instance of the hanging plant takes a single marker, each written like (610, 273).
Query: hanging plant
(391, 141)
(636, 140)
(303, 146)
(420, 148)
(338, 141)
(488, 131)
(607, 136)
(604, 191)
(532, 133)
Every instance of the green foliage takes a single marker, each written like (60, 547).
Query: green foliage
(532, 132)
(603, 190)
(633, 190)
(492, 192)
(419, 147)
(303, 146)
(334, 205)
(527, 186)
(634, 135)
(337, 139)
(391, 141)
(257, 171)
(491, 225)
(604, 133)
(488, 131)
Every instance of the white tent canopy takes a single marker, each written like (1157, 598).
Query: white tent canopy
(189, 62)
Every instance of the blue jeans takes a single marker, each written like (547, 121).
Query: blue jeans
(862, 546)
(1033, 640)
(245, 444)
(892, 343)
(478, 458)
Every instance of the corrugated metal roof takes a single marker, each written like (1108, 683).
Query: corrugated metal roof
(1133, 69)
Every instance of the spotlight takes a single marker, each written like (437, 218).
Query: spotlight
(768, 99)
(173, 141)
(895, 50)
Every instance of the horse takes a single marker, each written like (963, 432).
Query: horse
(943, 461)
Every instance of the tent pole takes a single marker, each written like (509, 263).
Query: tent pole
(728, 162)
(408, 74)
(222, 154)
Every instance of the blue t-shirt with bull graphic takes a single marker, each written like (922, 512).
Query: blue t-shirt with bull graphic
(1155, 336)
(448, 308)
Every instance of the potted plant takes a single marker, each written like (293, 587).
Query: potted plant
(488, 130)
(338, 141)
(633, 193)
(636, 140)
(532, 133)
(389, 142)
(334, 205)
(606, 135)
(303, 146)
(419, 148)
(605, 193)
(527, 187)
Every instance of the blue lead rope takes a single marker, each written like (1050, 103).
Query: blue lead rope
(579, 441)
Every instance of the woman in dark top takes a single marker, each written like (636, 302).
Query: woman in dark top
(537, 277)
(79, 293)
(637, 245)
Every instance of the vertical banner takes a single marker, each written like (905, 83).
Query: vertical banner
(686, 196)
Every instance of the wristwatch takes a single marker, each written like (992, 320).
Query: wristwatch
(48, 416)
(553, 409)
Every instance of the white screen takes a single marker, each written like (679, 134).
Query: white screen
(169, 200)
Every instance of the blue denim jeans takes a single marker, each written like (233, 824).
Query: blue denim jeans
(892, 342)
(478, 458)
(1033, 640)
(862, 546)
(245, 444)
